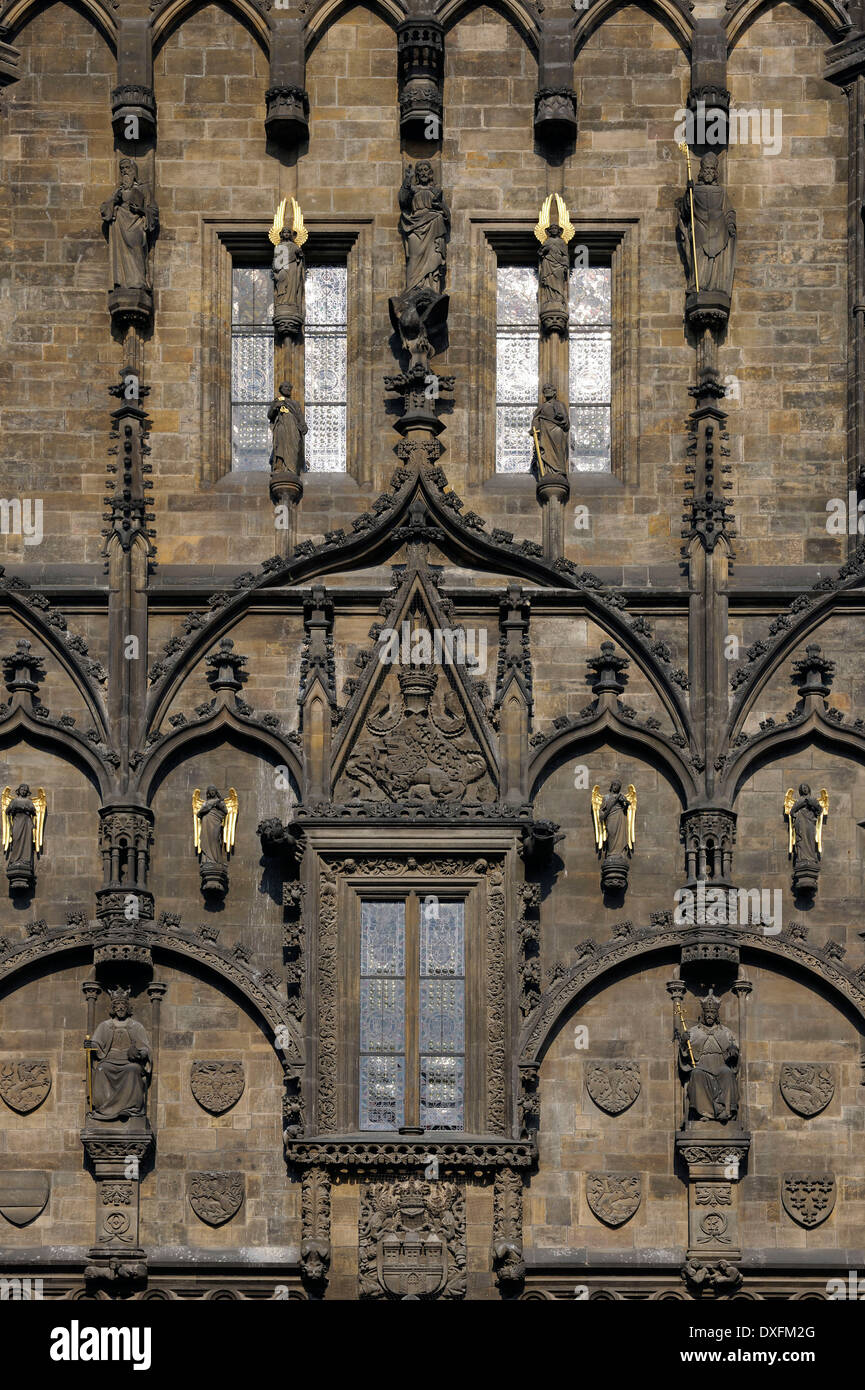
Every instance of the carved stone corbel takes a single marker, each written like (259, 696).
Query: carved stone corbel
(315, 1246)
(133, 102)
(287, 117)
(507, 1251)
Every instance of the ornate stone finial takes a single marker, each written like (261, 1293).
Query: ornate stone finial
(813, 673)
(22, 670)
(608, 671)
(225, 667)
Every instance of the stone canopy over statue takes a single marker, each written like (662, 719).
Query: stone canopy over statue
(709, 1057)
(288, 235)
(289, 427)
(708, 245)
(120, 1063)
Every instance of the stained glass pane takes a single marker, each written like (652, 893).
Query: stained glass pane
(513, 438)
(517, 296)
(590, 439)
(516, 368)
(250, 437)
(516, 365)
(382, 1015)
(589, 366)
(590, 294)
(442, 945)
(326, 368)
(251, 366)
(442, 1015)
(442, 1092)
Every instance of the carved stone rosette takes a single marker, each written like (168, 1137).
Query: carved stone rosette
(715, 1164)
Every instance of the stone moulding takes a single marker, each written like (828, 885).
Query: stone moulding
(350, 1153)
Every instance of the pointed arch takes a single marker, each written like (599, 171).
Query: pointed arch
(789, 738)
(329, 12)
(223, 725)
(517, 13)
(71, 747)
(608, 728)
(169, 15)
(829, 15)
(20, 12)
(668, 12)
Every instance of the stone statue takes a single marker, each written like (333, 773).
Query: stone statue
(550, 432)
(806, 816)
(714, 232)
(554, 230)
(709, 1055)
(289, 427)
(23, 820)
(289, 272)
(214, 823)
(424, 226)
(121, 1060)
(133, 221)
(614, 817)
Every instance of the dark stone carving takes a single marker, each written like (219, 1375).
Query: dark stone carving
(538, 840)
(23, 670)
(508, 1263)
(23, 1194)
(131, 221)
(136, 100)
(315, 1228)
(420, 47)
(714, 232)
(809, 1198)
(711, 1279)
(215, 1197)
(289, 270)
(289, 427)
(549, 431)
(807, 1087)
(613, 817)
(555, 113)
(806, 816)
(217, 1085)
(614, 1197)
(613, 1085)
(121, 1062)
(214, 819)
(412, 1240)
(708, 837)
(23, 819)
(287, 118)
(424, 226)
(24, 1084)
(709, 1057)
(225, 667)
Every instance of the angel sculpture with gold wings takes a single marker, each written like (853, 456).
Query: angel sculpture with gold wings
(289, 273)
(614, 819)
(554, 231)
(214, 819)
(23, 819)
(805, 815)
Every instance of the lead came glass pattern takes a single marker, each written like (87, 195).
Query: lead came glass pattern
(326, 367)
(382, 1015)
(590, 369)
(442, 1015)
(516, 366)
(251, 366)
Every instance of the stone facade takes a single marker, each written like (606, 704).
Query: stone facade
(673, 645)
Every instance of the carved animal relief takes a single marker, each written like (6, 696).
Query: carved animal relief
(807, 1087)
(613, 1085)
(613, 1197)
(24, 1084)
(217, 1085)
(412, 1240)
(215, 1197)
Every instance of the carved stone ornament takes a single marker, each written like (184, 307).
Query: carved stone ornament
(614, 1197)
(215, 1197)
(809, 1198)
(217, 1085)
(25, 1084)
(412, 1240)
(23, 1195)
(613, 1085)
(807, 1087)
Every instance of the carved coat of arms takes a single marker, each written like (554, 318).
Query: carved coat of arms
(24, 1084)
(215, 1197)
(613, 1197)
(23, 1195)
(613, 1084)
(217, 1085)
(807, 1087)
(412, 1240)
(808, 1197)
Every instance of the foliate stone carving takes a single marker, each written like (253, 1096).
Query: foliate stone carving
(217, 1086)
(555, 113)
(412, 1240)
(807, 1087)
(287, 117)
(24, 1084)
(315, 1227)
(23, 1195)
(809, 1198)
(215, 1197)
(529, 934)
(508, 1260)
(496, 995)
(613, 1084)
(614, 1197)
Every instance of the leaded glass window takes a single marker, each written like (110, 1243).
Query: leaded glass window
(412, 1014)
(516, 366)
(590, 368)
(325, 367)
(251, 365)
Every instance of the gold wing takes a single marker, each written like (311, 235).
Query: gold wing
(7, 824)
(823, 798)
(562, 216)
(230, 823)
(40, 801)
(631, 798)
(197, 803)
(300, 232)
(543, 219)
(789, 798)
(278, 223)
(600, 830)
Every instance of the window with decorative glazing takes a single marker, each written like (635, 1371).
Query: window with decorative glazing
(516, 365)
(325, 367)
(412, 1014)
(251, 365)
(590, 337)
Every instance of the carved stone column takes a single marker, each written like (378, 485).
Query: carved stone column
(553, 493)
(315, 1245)
(133, 102)
(508, 1263)
(116, 1161)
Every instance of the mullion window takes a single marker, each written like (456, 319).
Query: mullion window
(326, 367)
(251, 365)
(412, 1014)
(590, 334)
(516, 365)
